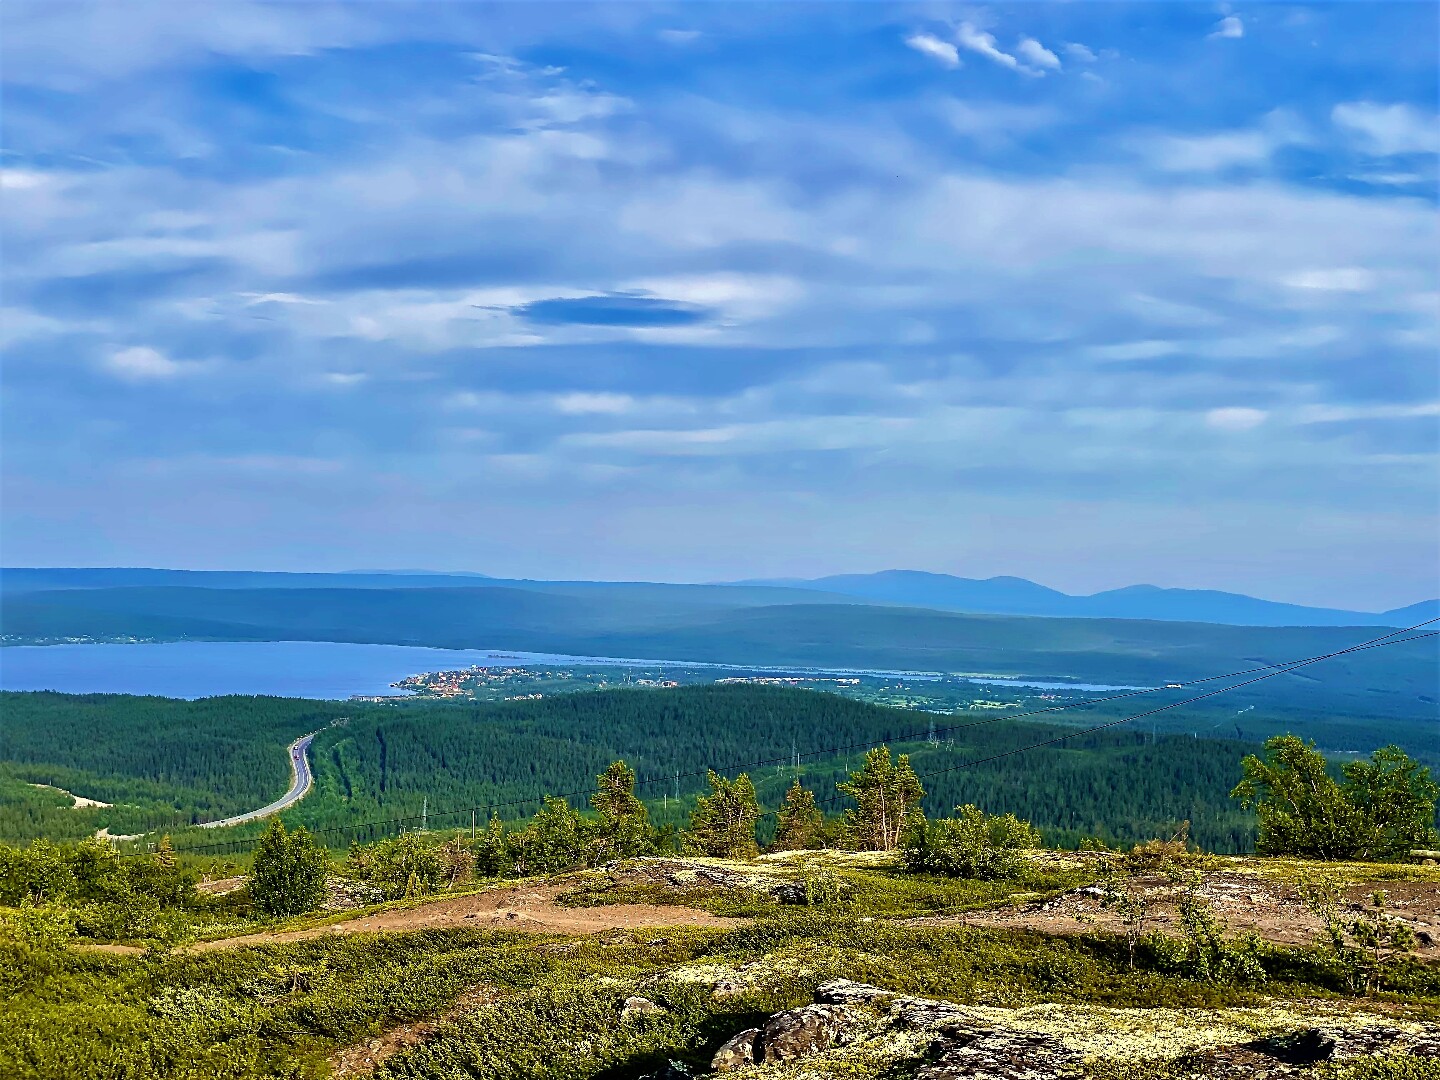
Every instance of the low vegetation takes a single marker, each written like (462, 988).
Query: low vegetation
(879, 894)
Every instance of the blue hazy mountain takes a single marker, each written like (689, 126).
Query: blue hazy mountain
(1018, 596)
(907, 588)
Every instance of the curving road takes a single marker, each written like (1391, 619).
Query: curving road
(301, 781)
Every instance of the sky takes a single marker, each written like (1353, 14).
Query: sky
(1089, 293)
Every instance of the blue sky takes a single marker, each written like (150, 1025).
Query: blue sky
(1088, 293)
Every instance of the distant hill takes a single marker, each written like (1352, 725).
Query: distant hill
(1017, 596)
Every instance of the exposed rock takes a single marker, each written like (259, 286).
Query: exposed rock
(977, 1053)
(639, 1006)
(940, 1040)
(789, 892)
(737, 1051)
(344, 894)
(798, 1032)
(909, 1012)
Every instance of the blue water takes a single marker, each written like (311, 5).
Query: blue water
(314, 669)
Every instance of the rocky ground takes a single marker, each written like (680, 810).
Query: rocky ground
(1243, 899)
(860, 1030)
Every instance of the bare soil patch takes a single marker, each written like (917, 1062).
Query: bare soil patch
(529, 908)
(1244, 902)
(364, 1058)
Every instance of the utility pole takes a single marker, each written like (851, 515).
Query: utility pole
(425, 814)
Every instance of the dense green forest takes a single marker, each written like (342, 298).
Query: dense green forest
(163, 762)
(168, 763)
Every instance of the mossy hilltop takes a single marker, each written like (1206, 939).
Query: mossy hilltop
(477, 998)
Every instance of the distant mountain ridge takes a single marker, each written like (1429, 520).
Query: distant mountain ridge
(1019, 596)
(907, 588)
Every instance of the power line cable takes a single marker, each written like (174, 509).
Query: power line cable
(1379, 642)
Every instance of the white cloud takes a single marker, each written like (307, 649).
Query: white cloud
(25, 179)
(1335, 279)
(976, 40)
(140, 363)
(1388, 179)
(1208, 153)
(1228, 27)
(1389, 129)
(932, 46)
(1235, 418)
(1037, 54)
(1077, 51)
(679, 37)
(581, 403)
(1322, 414)
(345, 378)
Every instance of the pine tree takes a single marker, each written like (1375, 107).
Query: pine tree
(723, 824)
(888, 794)
(624, 827)
(289, 872)
(801, 825)
(165, 854)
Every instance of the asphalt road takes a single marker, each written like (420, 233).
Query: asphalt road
(300, 782)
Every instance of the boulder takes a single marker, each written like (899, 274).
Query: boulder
(737, 1051)
(977, 1053)
(638, 1006)
(796, 1033)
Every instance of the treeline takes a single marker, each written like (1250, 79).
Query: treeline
(172, 762)
(1120, 785)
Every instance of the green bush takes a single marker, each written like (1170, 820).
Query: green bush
(403, 866)
(1384, 809)
(289, 872)
(973, 844)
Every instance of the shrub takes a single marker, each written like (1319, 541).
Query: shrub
(403, 866)
(1202, 951)
(1385, 807)
(493, 850)
(288, 877)
(1364, 948)
(557, 839)
(973, 844)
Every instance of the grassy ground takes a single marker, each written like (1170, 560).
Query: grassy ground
(551, 1006)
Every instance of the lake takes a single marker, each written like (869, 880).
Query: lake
(309, 669)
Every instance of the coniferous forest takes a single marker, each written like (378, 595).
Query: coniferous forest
(167, 764)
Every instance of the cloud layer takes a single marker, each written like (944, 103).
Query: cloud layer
(747, 294)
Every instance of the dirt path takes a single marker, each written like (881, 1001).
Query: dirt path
(529, 908)
(361, 1059)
